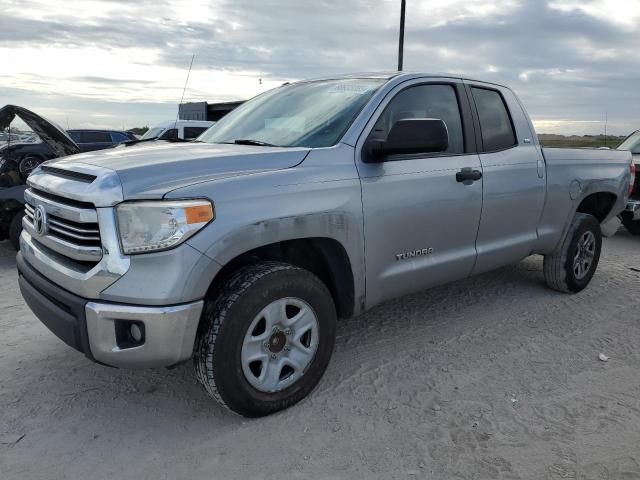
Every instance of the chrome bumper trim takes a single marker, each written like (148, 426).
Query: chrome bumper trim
(170, 334)
(77, 278)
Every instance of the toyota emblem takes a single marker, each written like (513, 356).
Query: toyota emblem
(40, 220)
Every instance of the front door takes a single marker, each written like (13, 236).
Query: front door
(420, 217)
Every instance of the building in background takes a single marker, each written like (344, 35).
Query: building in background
(205, 111)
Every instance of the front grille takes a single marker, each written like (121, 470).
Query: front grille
(71, 227)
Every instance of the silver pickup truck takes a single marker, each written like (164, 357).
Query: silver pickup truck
(314, 201)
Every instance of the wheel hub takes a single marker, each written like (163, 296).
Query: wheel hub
(584, 256)
(277, 342)
(280, 344)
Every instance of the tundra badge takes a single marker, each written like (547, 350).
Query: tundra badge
(414, 253)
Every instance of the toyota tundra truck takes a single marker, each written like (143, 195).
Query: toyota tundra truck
(312, 202)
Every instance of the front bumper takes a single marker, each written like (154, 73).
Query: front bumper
(95, 328)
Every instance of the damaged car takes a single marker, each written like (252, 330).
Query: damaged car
(14, 169)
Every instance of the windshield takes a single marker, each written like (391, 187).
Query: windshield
(313, 114)
(632, 143)
(153, 133)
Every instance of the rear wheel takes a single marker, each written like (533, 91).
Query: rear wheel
(266, 339)
(573, 266)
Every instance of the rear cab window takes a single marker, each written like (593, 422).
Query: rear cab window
(496, 125)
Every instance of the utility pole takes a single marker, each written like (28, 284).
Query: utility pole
(403, 6)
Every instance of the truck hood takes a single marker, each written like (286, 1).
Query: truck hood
(152, 170)
(51, 134)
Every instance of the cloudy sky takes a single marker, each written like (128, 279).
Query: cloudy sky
(89, 63)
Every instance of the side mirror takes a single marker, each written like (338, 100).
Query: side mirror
(409, 136)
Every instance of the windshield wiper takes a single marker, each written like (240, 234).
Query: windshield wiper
(128, 143)
(245, 141)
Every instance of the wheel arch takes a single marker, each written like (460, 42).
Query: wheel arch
(325, 257)
(598, 204)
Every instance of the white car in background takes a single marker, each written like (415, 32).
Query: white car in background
(172, 130)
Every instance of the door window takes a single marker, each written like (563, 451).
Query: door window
(95, 137)
(424, 101)
(495, 122)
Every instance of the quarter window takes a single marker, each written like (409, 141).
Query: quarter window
(495, 123)
(424, 101)
(118, 137)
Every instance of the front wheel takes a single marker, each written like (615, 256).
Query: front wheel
(572, 267)
(266, 339)
(28, 164)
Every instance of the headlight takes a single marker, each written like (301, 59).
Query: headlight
(160, 225)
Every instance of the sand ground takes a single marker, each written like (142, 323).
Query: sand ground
(489, 378)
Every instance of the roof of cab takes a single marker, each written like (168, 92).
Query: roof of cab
(404, 75)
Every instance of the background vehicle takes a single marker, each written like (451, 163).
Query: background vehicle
(11, 213)
(27, 156)
(313, 201)
(182, 129)
(89, 140)
(15, 168)
(631, 214)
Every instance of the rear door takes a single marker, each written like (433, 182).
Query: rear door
(420, 222)
(514, 177)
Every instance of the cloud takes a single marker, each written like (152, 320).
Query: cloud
(571, 62)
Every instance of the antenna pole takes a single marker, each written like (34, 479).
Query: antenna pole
(184, 90)
(403, 6)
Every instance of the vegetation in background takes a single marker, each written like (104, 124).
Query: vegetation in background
(575, 141)
(139, 130)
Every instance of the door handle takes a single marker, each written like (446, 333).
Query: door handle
(467, 176)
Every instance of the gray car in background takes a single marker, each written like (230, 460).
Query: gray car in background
(314, 201)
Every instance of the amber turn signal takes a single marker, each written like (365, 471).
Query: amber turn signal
(198, 214)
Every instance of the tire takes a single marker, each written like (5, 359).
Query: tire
(562, 271)
(28, 164)
(633, 227)
(232, 321)
(15, 228)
